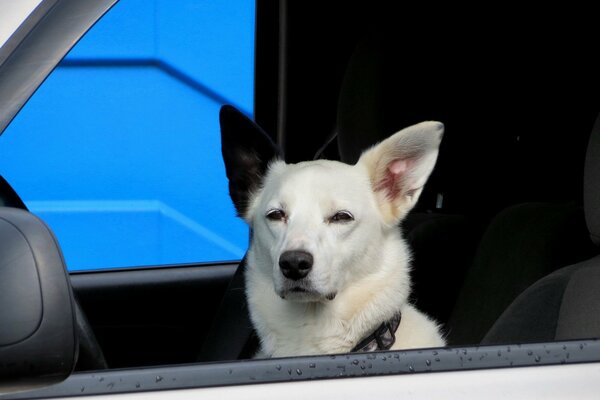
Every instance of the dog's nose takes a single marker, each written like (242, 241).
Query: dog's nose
(295, 264)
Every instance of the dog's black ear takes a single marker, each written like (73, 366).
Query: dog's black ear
(247, 151)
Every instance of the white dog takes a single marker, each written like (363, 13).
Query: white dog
(327, 268)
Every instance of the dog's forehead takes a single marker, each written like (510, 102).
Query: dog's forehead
(317, 179)
(321, 173)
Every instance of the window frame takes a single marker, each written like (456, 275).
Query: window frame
(325, 367)
(36, 47)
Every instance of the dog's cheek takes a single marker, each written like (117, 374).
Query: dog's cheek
(263, 246)
(363, 248)
(269, 243)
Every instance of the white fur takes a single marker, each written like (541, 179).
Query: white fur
(365, 262)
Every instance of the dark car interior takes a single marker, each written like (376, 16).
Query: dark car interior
(505, 235)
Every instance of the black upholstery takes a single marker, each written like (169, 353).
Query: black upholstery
(231, 335)
(521, 245)
(361, 113)
(577, 317)
(90, 355)
(37, 333)
(561, 306)
(591, 177)
(442, 246)
(565, 304)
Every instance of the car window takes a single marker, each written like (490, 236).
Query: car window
(119, 150)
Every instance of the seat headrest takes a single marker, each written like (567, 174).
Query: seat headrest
(591, 184)
(38, 344)
(389, 83)
(360, 105)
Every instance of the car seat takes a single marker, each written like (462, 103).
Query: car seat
(565, 304)
(521, 244)
(90, 355)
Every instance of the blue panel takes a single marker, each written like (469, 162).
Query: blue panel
(127, 31)
(196, 36)
(100, 234)
(119, 150)
(106, 134)
(212, 42)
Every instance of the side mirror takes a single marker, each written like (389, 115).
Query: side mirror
(38, 342)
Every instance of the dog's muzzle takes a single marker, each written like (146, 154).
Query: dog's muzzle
(295, 264)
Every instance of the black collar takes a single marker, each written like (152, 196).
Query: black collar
(383, 338)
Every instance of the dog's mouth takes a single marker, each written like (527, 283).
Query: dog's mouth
(302, 294)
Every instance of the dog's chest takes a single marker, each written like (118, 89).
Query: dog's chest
(303, 331)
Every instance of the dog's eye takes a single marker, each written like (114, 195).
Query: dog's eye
(341, 216)
(276, 215)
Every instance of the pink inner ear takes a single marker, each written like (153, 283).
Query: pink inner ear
(398, 167)
(391, 182)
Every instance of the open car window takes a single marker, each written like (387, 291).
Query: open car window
(119, 148)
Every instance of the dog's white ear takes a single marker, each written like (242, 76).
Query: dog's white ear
(399, 166)
(247, 151)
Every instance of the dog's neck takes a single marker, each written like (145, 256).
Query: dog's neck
(383, 338)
